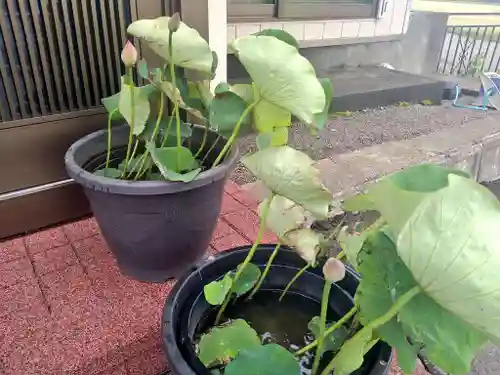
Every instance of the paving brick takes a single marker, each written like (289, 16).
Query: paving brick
(21, 296)
(229, 204)
(93, 250)
(71, 297)
(32, 324)
(147, 363)
(12, 249)
(246, 222)
(121, 369)
(16, 271)
(81, 229)
(46, 239)
(228, 242)
(231, 187)
(54, 259)
(91, 352)
(246, 199)
(222, 229)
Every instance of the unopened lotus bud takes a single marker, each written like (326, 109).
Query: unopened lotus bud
(174, 22)
(129, 54)
(334, 270)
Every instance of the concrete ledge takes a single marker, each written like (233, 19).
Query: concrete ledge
(473, 147)
(327, 42)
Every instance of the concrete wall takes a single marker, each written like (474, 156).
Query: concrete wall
(421, 46)
(309, 33)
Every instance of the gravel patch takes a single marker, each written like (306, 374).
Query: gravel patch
(366, 128)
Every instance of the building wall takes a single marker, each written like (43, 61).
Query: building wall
(334, 32)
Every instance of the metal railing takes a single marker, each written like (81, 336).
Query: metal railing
(469, 49)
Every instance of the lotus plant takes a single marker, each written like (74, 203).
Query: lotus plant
(428, 264)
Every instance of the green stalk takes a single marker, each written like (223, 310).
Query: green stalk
(167, 132)
(176, 102)
(251, 253)
(132, 113)
(380, 321)
(210, 149)
(294, 279)
(341, 255)
(322, 324)
(108, 154)
(329, 331)
(153, 136)
(203, 140)
(266, 271)
(234, 134)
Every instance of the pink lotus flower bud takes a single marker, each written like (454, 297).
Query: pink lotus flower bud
(174, 22)
(334, 270)
(129, 54)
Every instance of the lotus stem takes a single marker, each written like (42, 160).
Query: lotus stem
(380, 321)
(248, 259)
(234, 134)
(132, 115)
(294, 279)
(266, 271)
(211, 148)
(341, 255)
(108, 154)
(329, 331)
(203, 140)
(322, 324)
(144, 156)
(169, 126)
(176, 99)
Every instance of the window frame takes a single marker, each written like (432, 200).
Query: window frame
(283, 11)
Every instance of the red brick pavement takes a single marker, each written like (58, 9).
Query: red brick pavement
(66, 309)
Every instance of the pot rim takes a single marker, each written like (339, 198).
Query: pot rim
(111, 185)
(169, 338)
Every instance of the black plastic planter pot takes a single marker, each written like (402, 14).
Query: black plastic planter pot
(156, 229)
(186, 311)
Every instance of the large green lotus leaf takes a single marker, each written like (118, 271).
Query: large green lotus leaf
(377, 263)
(244, 91)
(450, 245)
(270, 359)
(247, 279)
(281, 75)
(175, 159)
(225, 111)
(351, 355)
(277, 137)
(397, 195)
(216, 291)
(221, 345)
(358, 202)
(448, 341)
(321, 118)
(290, 173)
(134, 105)
(111, 104)
(305, 242)
(268, 116)
(281, 35)
(175, 96)
(334, 340)
(283, 215)
(202, 91)
(351, 244)
(186, 129)
(109, 172)
(189, 49)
